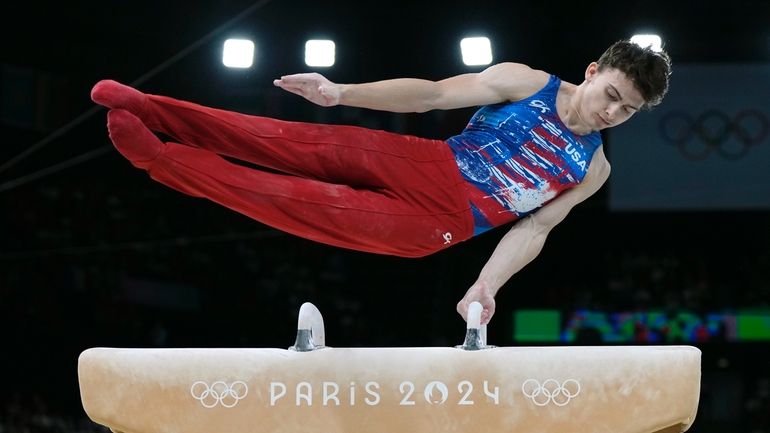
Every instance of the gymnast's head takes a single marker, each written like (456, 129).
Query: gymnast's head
(627, 78)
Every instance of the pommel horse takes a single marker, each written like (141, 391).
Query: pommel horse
(468, 388)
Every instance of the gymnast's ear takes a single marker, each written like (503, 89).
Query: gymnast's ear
(592, 70)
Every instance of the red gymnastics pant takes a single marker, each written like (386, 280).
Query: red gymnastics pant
(347, 186)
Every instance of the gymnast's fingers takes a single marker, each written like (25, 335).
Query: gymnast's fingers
(487, 313)
(462, 309)
(295, 90)
(303, 79)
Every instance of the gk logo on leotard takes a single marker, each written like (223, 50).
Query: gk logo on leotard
(539, 105)
(447, 238)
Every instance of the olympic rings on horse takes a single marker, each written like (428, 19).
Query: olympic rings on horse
(219, 393)
(550, 391)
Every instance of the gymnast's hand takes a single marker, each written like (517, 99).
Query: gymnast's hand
(313, 86)
(478, 292)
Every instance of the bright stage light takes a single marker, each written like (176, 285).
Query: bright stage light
(238, 53)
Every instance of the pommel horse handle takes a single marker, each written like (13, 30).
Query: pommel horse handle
(475, 334)
(312, 336)
(310, 329)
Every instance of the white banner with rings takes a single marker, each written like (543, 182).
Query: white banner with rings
(706, 147)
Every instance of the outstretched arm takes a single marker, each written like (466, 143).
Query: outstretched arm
(526, 238)
(498, 83)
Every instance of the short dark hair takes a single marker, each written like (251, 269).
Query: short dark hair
(649, 70)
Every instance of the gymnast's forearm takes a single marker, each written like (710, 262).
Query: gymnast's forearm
(515, 250)
(401, 95)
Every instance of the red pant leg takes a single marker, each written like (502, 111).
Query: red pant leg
(410, 222)
(340, 154)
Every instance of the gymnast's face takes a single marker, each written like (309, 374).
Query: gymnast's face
(610, 98)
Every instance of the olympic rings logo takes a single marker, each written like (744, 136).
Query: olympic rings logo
(219, 393)
(713, 130)
(551, 391)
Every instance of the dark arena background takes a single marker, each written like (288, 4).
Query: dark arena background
(674, 249)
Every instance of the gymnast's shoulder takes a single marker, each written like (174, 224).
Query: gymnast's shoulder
(599, 169)
(515, 81)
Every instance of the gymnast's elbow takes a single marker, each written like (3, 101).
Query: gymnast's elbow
(422, 107)
(415, 104)
(427, 103)
(431, 96)
(541, 223)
